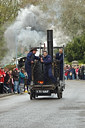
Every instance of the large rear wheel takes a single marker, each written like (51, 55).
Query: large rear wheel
(34, 95)
(31, 95)
(59, 92)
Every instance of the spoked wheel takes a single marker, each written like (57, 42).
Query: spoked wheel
(59, 92)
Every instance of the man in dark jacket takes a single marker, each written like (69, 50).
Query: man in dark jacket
(28, 63)
(47, 60)
(59, 57)
(73, 73)
(15, 74)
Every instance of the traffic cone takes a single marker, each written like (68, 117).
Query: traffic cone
(26, 89)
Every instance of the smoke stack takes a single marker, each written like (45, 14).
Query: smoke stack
(50, 42)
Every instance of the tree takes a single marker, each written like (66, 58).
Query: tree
(72, 16)
(8, 12)
(75, 50)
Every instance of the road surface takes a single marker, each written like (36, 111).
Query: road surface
(18, 111)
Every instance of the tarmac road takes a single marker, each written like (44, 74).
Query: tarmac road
(17, 111)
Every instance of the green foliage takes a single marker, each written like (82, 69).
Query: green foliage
(75, 50)
(3, 48)
(73, 16)
(8, 12)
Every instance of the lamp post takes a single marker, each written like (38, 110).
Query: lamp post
(16, 49)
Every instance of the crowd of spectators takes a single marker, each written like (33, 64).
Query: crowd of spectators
(12, 81)
(74, 72)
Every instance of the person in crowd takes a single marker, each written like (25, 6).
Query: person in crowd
(59, 57)
(47, 60)
(21, 80)
(66, 73)
(80, 72)
(2, 75)
(83, 72)
(70, 73)
(77, 69)
(7, 82)
(73, 73)
(26, 83)
(11, 82)
(15, 74)
(29, 62)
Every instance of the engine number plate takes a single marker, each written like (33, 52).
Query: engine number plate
(42, 91)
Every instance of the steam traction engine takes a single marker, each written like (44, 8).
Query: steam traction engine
(37, 87)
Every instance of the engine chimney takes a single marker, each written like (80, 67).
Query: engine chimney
(50, 42)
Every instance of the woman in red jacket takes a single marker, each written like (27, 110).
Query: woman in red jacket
(2, 75)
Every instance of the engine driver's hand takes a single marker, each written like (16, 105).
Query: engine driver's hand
(41, 60)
